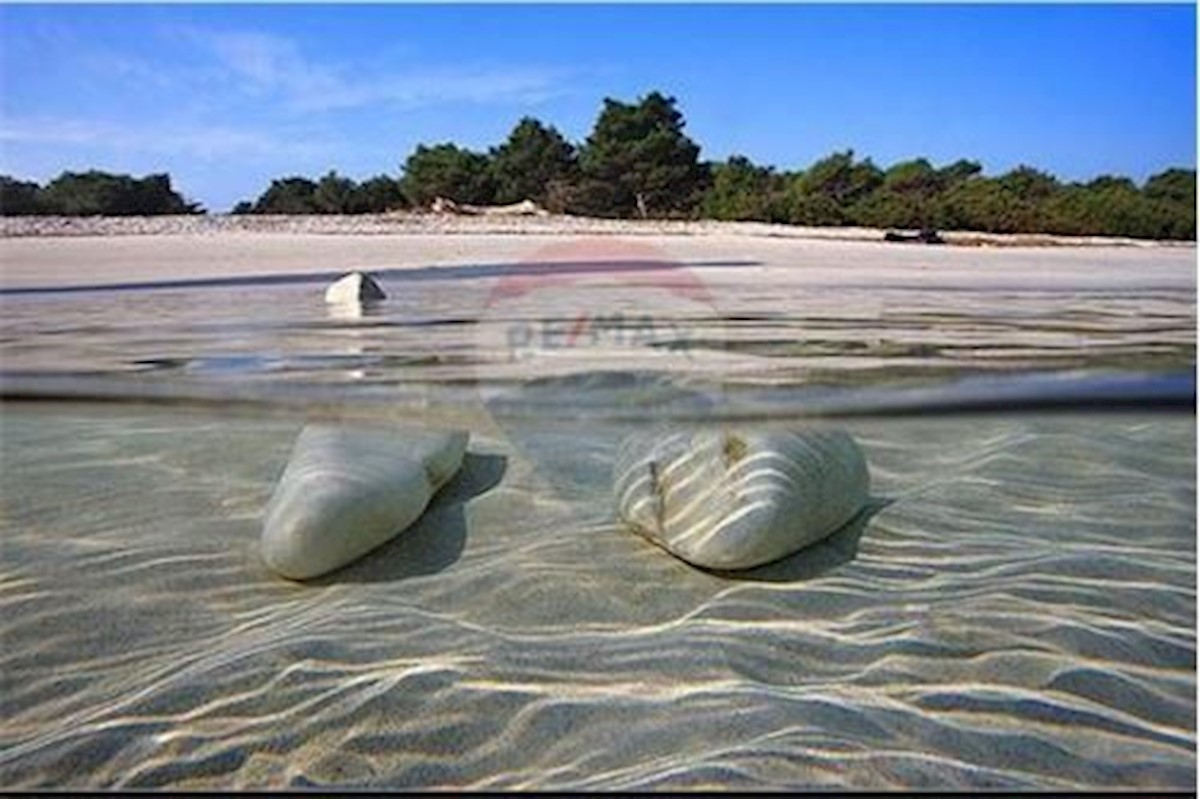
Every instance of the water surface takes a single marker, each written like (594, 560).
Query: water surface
(1015, 609)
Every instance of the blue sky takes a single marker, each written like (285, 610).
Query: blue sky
(227, 97)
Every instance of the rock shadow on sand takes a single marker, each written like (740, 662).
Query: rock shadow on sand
(819, 559)
(436, 540)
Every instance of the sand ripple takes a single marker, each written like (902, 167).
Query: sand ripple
(1018, 611)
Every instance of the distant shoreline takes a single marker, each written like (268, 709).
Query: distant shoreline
(414, 223)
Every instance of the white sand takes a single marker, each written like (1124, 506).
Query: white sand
(834, 257)
(1021, 616)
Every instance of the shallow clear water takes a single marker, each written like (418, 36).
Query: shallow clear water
(1015, 608)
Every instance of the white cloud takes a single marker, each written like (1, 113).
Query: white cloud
(427, 87)
(260, 61)
(44, 132)
(227, 105)
(127, 69)
(265, 64)
(204, 142)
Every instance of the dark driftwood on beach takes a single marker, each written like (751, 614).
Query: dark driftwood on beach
(926, 236)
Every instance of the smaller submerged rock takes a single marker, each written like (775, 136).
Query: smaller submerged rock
(734, 499)
(355, 287)
(348, 489)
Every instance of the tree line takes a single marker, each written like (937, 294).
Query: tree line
(639, 162)
(93, 193)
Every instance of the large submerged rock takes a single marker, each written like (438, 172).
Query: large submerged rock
(734, 499)
(347, 489)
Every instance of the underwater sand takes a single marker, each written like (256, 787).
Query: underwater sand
(1021, 614)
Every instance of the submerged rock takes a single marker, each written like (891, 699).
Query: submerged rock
(355, 287)
(737, 499)
(347, 489)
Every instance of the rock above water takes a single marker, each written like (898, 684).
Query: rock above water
(347, 489)
(734, 499)
(354, 288)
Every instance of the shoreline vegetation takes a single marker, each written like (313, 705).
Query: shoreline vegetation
(638, 169)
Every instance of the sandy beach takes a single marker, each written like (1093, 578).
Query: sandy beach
(51, 252)
(1016, 608)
